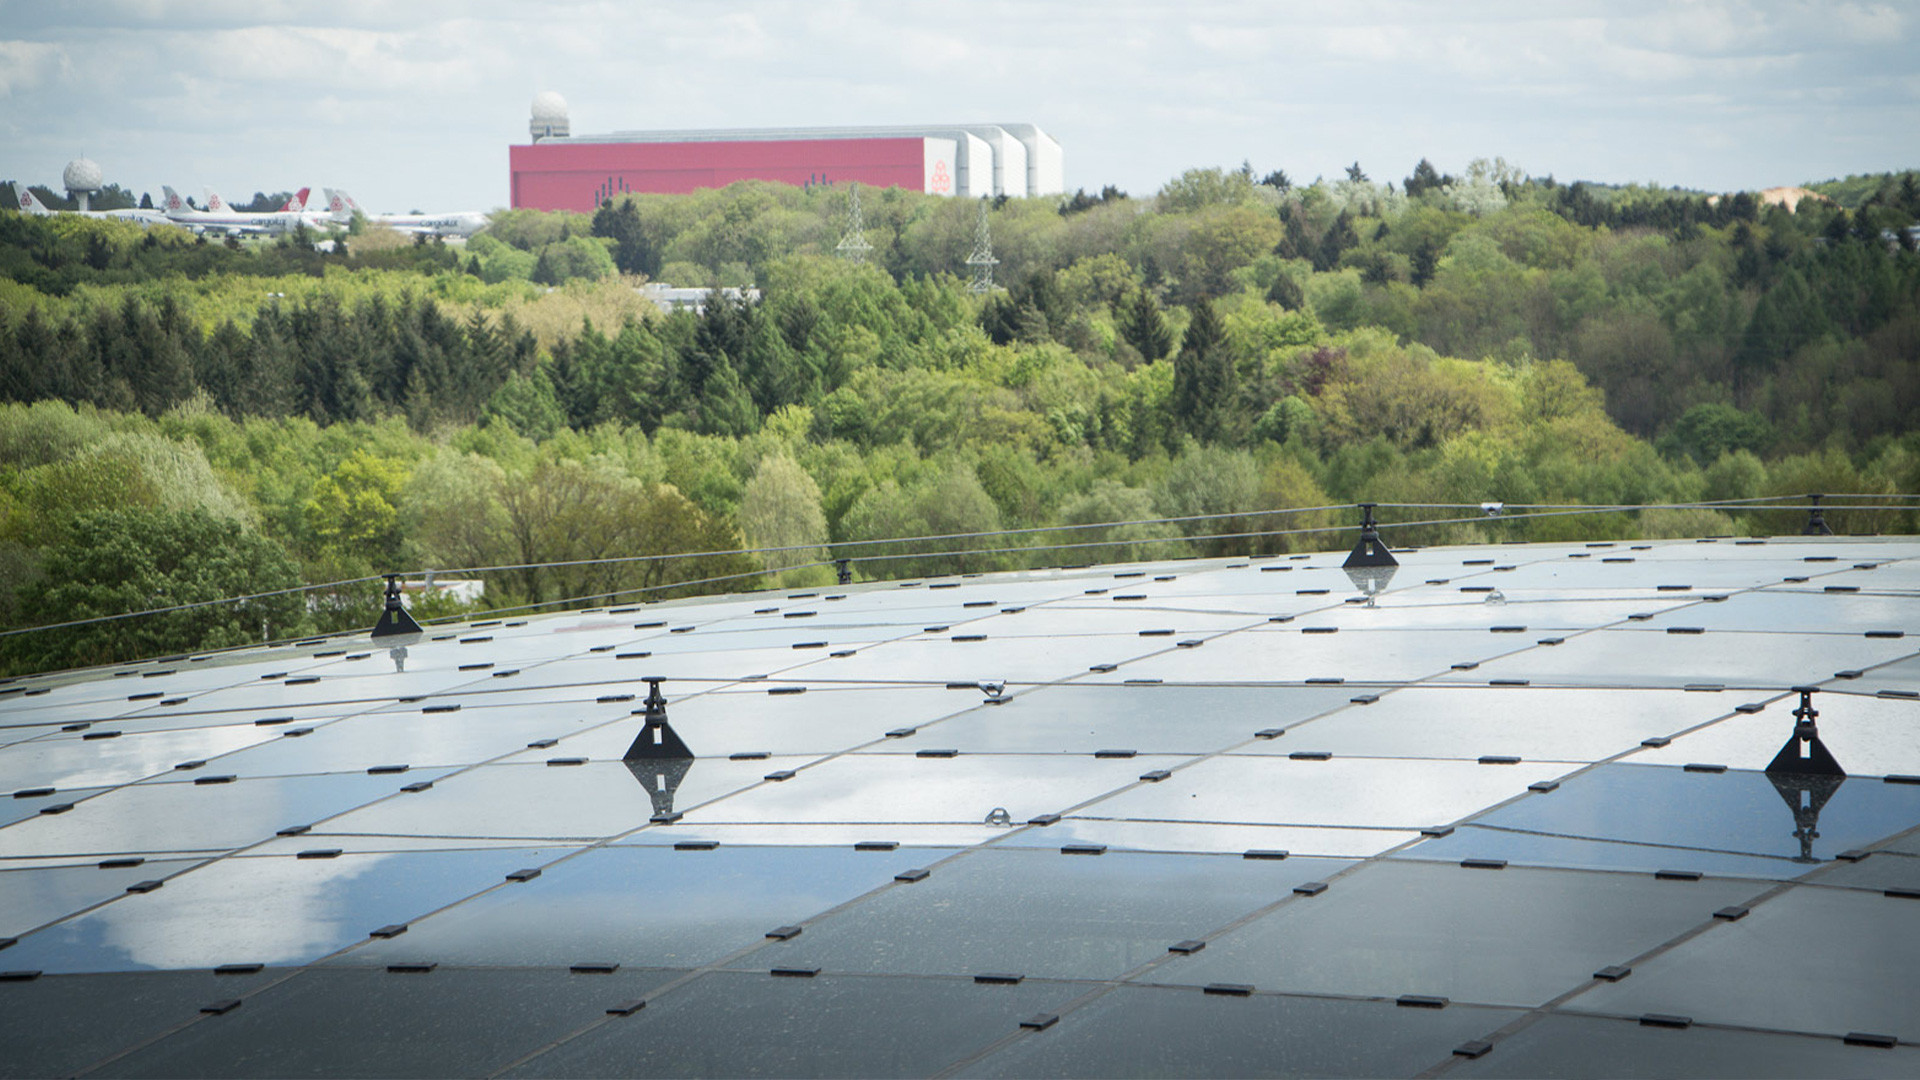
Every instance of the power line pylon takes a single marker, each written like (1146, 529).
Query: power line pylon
(854, 247)
(982, 260)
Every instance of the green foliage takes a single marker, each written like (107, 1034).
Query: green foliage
(1707, 432)
(112, 561)
(1227, 347)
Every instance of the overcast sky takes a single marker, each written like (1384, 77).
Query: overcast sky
(413, 104)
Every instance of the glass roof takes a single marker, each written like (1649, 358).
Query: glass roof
(1197, 817)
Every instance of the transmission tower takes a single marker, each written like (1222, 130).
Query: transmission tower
(854, 247)
(982, 259)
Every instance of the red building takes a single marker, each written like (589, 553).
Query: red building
(568, 174)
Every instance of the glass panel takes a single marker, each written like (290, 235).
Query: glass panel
(1867, 736)
(27, 807)
(68, 760)
(1013, 659)
(372, 1023)
(1383, 792)
(1145, 1031)
(1881, 870)
(1149, 719)
(1813, 959)
(1212, 836)
(1540, 611)
(1291, 656)
(411, 737)
(831, 834)
(1043, 914)
(1900, 676)
(58, 1025)
(1114, 619)
(30, 897)
(269, 910)
(1623, 657)
(709, 666)
(1504, 937)
(1534, 849)
(645, 905)
(1590, 1046)
(890, 787)
(1735, 812)
(1530, 723)
(544, 802)
(739, 1024)
(824, 719)
(1798, 612)
(184, 816)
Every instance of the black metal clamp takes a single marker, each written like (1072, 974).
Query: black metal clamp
(394, 619)
(657, 739)
(1816, 519)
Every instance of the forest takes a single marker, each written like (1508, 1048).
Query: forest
(185, 419)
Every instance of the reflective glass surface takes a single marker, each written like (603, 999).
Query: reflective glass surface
(182, 815)
(1511, 937)
(1579, 1046)
(1867, 736)
(1734, 812)
(652, 906)
(1383, 792)
(1044, 913)
(1214, 772)
(890, 787)
(30, 897)
(58, 1025)
(1860, 948)
(271, 910)
(1144, 1031)
(1146, 718)
(446, 1022)
(739, 1024)
(587, 801)
(1533, 724)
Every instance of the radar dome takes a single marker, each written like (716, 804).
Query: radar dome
(549, 116)
(82, 175)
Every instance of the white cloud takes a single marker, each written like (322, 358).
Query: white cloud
(28, 64)
(399, 100)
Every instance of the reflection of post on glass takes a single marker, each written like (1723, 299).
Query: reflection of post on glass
(661, 777)
(1805, 773)
(1370, 565)
(658, 758)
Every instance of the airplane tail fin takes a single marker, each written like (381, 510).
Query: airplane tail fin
(341, 204)
(29, 203)
(216, 204)
(337, 205)
(298, 203)
(172, 203)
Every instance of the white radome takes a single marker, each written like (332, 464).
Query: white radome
(82, 174)
(548, 105)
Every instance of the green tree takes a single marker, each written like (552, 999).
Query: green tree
(111, 562)
(1203, 374)
(780, 508)
(1144, 327)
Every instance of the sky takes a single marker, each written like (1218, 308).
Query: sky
(412, 105)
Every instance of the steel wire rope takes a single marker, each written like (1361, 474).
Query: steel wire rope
(1555, 510)
(189, 605)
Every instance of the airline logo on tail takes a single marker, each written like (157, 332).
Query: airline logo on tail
(27, 202)
(296, 204)
(173, 202)
(216, 204)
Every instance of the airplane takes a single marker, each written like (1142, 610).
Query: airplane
(341, 208)
(219, 217)
(144, 218)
